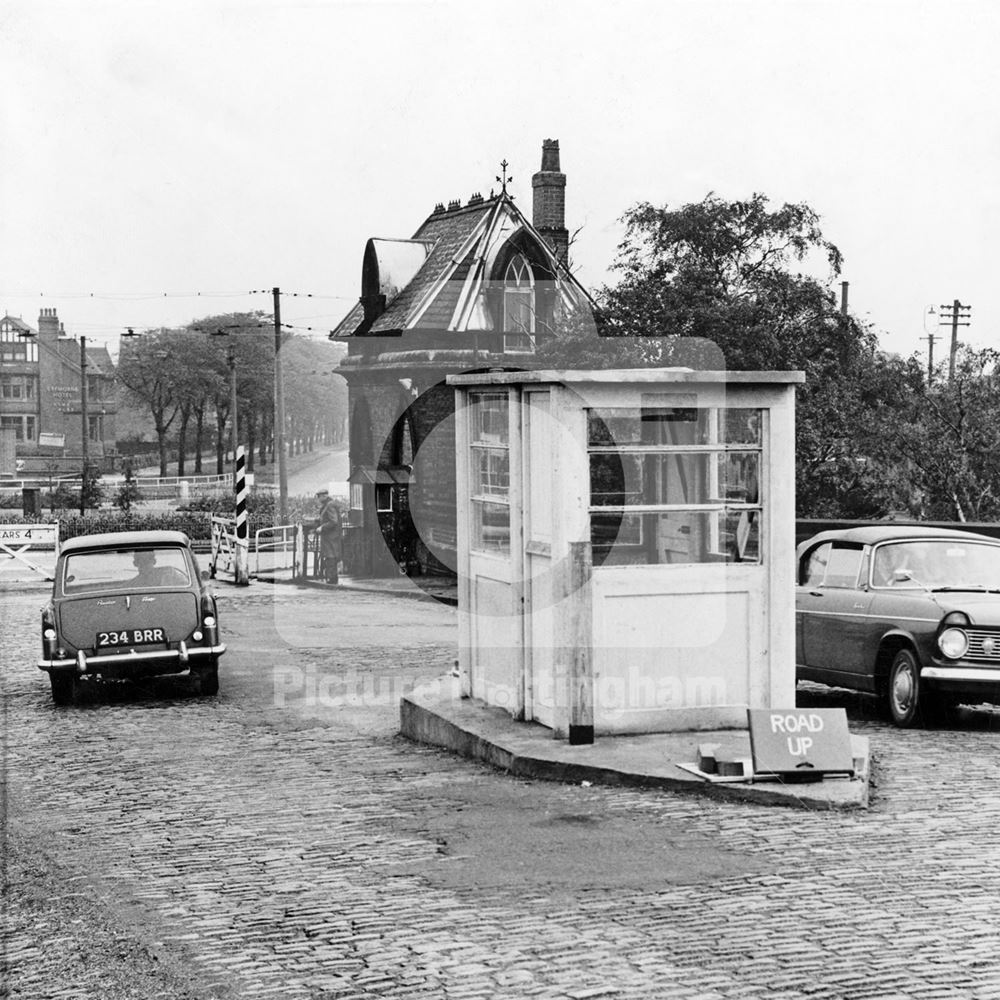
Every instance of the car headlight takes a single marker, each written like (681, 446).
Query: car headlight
(954, 643)
(208, 621)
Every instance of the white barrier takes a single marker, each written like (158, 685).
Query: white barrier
(16, 539)
(223, 545)
(279, 546)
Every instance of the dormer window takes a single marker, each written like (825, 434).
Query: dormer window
(518, 306)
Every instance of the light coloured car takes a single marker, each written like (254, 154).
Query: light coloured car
(911, 614)
(129, 605)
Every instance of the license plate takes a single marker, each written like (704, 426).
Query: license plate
(132, 637)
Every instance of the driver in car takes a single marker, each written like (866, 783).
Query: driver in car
(148, 574)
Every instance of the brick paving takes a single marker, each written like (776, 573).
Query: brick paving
(226, 848)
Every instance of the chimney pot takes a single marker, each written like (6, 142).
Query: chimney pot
(550, 155)
(453, 204)
(48, 323)
(548, 214)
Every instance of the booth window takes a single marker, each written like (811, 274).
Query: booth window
(356, 515)
(383, 498)
(490, 446)
(675, 484)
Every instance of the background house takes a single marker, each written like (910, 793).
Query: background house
(41, 381)
(478, 286)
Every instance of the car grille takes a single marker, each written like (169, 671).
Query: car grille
(983, 646)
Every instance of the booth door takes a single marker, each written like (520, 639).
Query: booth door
(492, 622)
(541, 497)
(540, 696)
(494, 632)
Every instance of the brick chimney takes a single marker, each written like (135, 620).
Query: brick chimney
(548, 206)
(48, 325)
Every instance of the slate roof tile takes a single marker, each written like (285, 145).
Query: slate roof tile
(350, 323)
(448, 231)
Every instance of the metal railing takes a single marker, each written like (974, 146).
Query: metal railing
(279, 545)
(274, 552)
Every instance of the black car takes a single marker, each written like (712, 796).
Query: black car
(911, 614)
(129, 605)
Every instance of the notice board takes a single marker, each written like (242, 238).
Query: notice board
(800, 742)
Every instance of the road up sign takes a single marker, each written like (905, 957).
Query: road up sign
(800, 743)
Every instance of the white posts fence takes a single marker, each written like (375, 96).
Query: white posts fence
(275, 553)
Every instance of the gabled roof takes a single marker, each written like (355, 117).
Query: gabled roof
(461, 246)
(99, 361)
(18, 324)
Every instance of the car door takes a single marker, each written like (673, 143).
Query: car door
(833, 603)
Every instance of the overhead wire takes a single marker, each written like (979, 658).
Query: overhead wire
(139, 296)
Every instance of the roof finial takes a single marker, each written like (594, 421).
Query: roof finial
(503, 180)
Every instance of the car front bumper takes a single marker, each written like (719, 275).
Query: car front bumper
(981, 682)
(125, 664)
(972, 675)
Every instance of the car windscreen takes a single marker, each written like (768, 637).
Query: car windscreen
(937, 564)
(114, 569)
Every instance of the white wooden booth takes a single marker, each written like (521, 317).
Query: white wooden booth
(626, 546)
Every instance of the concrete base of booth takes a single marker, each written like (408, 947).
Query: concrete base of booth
(475, 730)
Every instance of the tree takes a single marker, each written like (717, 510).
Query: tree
(151, 369)
(719, 271)
(246, 338)
(712, 285)
(950, 438)
(128, 495)
(195, 387)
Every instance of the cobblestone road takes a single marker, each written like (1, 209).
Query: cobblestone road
(257, 845)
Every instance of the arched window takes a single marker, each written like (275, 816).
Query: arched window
(518, 305)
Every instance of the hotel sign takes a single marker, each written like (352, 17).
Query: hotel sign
(65, 397)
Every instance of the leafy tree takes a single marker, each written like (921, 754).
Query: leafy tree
(950, 439)
(128, 494)
(151, 369)
(714, 285)
(313, 400)
(93, 489)
(719, 271)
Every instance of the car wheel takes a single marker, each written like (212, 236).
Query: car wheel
(208, 678)
(903, 692)
(63, 687)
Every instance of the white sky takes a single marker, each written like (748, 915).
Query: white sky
(207, 147)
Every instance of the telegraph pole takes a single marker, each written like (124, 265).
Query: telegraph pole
(279, 412)
(85, 424)
(930, 357)
(231, 358)
(955, 315)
